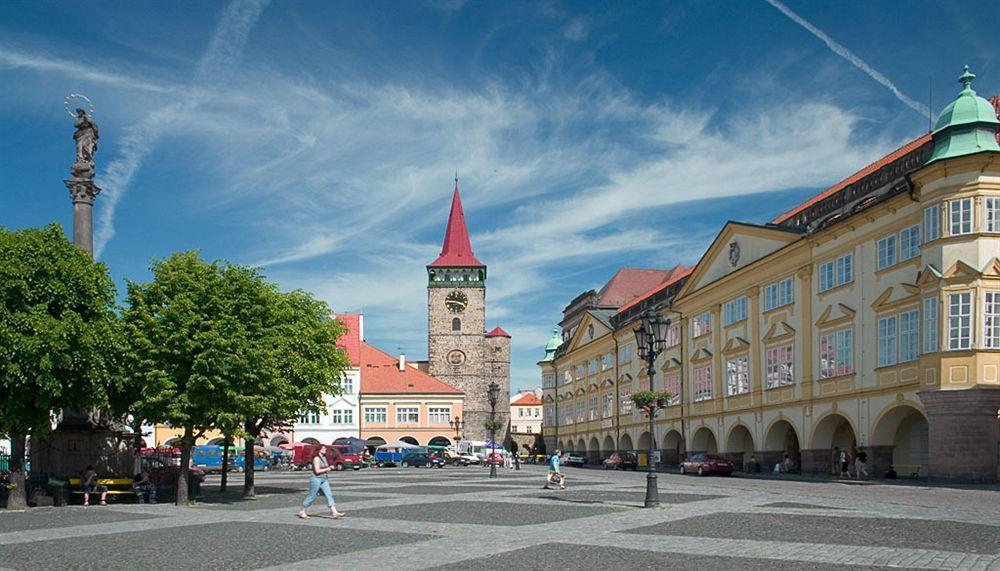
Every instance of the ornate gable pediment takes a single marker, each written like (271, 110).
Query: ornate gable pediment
(928, 276)
(893, 297)
(592, 387)
(671, 364)
(736, 246)
(779, 331)
(625, 379)
(700, 355)
(581, 391)
(548, 398)
(607, 382)
(582, 334)
(736, 345)
(992, 268)
(836, 314)
(960, 270)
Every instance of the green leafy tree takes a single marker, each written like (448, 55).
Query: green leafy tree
(56, 318)
(184, 349)
(296, 363)
(539, 446)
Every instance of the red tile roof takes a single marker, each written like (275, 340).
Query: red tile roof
(351, 341)
(900, 152)
(678, 273)
(498, 332)
(528, 399)
(380, 375)
(457, 250)
(628, 283)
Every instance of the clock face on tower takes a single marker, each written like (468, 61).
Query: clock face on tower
(456, 302)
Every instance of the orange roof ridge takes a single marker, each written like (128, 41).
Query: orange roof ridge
(901, 151)
(380, 374)
(527, 399)
(674, 278)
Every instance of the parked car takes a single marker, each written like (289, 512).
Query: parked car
(418, 459)
(622, 461)
(575, 460)
(341, 458)
(164, 475)
(494, 458)
(705, 464)
(467, 459)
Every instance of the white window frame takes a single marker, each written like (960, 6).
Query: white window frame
(592, 407)
(991, 319)
(580, 414)
(886, 252)
(701, 324)
(909, 242)
(779, 294)
(625, 400)
(674, 335)
(405, 414)
(625, 354)
(960, 320)
(909, 335)
(376, 414)
(932, 223)
(738, 376)
(607, 405)
(836, 353)
(930, 325)
(836, 272)
(780, 366)
(991, 213)
(960, 216)
(348, 385)
(888, 347)
(672, 385)
(703, 384)
(736, 310)
(441, 414)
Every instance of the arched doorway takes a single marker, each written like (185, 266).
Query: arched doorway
(560, 446)
(373, 442)
(900, 437)
(409, 440)
(832, 432)
(703, 441)
(594, 451)
(609, 446)
(439, 441)
(781, 439)
(672, 449)
(625, 443)
(643, 446)
(278, 441)
(310, 440)
(739, 447)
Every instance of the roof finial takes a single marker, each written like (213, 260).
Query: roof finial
(456, 177)
(967, 78)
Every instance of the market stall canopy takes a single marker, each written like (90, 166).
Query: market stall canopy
(397, 444)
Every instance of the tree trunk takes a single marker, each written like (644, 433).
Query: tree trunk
(251, 435)
(182, 479)
(17, 495)
(225, 464)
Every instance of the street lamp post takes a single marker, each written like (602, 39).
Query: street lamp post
(493, 394)
(456, 423)
(651, 339)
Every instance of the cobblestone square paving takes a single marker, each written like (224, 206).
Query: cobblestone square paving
(458, 518)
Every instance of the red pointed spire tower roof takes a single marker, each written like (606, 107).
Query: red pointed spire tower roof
(457, 250)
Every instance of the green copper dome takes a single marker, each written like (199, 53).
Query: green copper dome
(552, 345)
(967, 125)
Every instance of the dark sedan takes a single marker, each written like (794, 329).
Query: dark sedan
(705, 464)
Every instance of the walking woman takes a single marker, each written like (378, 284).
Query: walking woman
(318, 481)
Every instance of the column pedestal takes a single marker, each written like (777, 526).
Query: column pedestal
(962, 433)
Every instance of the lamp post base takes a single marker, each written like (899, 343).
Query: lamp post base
(652, 493)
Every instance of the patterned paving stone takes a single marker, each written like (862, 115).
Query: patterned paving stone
(433, 490)
(923, 534)
(570, 557)
(604, 496)
(798, 505)
(47, 518)
(214, 546)
(484, 513)
(292, 502)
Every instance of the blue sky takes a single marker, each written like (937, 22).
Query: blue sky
(320, 139)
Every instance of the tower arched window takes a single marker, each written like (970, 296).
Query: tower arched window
(456, 324)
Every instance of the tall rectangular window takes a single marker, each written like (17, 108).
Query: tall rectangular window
(348, 385)
(625, 400)
(780, 366)
(909, 335)
(548, 381)
(375, 415)
(736, 310)
(737, 376)
(932, 223)
(672, 385)
(887, 341)
(909, 243)
(592, 407)
(991, 320)
(337, 416)
(439, 415)
(886, 252)
(826, 276)
(579, 411)
(567, 377)
(608, 407)
(702, 384)
(674, 335)
(960, 213)
(778, 294)
(578, 371)
(407, 415)
(960, 320)
(701, 325)
(930, 325)
(991, 213)
(625, 354)
(836, 272)
(591, 366)
(845, 269)
(606, 361)
(547, 419)
(836, 353)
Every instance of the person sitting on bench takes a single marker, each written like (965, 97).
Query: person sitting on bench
(144, 488)
(90, 485)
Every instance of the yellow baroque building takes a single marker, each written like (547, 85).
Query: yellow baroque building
(865, 318)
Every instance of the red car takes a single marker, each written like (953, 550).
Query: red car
(341, 458)
(704, 464)
(494, 458)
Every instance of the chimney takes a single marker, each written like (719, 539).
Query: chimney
(402, 362)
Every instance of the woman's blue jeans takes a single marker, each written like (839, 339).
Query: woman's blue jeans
(317, 483)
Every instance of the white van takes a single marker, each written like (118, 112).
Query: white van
(475, 448)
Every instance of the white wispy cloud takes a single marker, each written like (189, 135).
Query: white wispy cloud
(12, 58)
(224, 49)
(848, 55)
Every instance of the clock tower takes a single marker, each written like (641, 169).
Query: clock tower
(459, 350)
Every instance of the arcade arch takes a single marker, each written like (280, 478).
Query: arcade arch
(703, 441)
(904, 428)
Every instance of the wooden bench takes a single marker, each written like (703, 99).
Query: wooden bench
(911, 471)
(116, 486)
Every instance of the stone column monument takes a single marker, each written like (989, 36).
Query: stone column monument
(81, 185)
